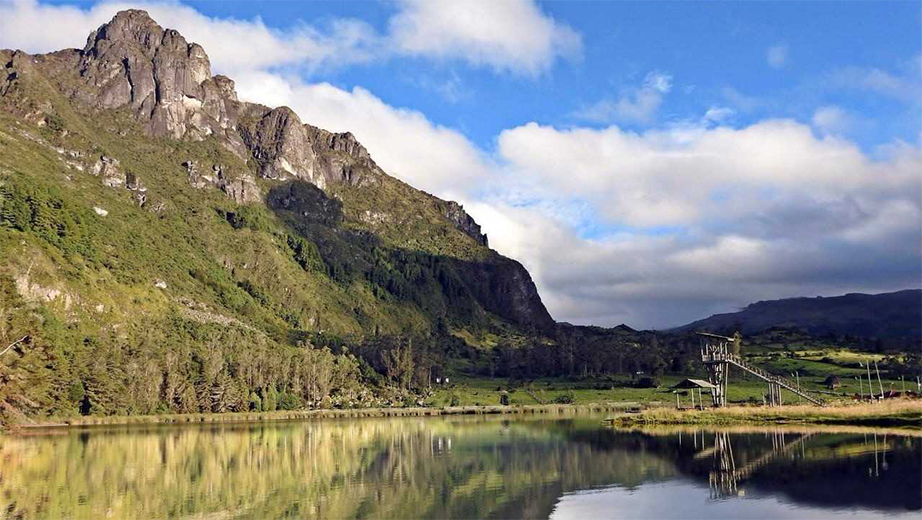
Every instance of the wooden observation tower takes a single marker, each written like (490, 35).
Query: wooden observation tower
(717, 357)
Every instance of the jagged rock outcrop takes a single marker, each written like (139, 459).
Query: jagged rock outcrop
(132, 61)
(241, 188)
(280, 145)
(456, 214)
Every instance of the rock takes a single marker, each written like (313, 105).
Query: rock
(109, 169)
(456, 214)
(166, 81)
(346, 143)
(243, 190)
(281, 146)
(132, 182)
(99, 211)
(160, 284)
(241, 187)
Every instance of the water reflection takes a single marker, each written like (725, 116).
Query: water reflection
(453, 467)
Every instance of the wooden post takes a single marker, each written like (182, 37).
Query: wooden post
(870, 387)
(878, 379)
(677, 407)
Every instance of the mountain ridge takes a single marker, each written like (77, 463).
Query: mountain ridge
(885, 315)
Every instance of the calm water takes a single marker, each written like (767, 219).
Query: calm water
(458, 467)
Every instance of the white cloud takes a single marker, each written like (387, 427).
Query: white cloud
(831, 120)
(777, 56)
(717, 115)
(510, 35)
(906, 87)
(671, 177)
(637, 105)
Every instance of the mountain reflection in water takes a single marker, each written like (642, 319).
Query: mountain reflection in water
(457, 467)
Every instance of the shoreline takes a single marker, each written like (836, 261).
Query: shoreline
(901, 414)
(335, 413)
(629, 414)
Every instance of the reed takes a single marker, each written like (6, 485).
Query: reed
(898, 412)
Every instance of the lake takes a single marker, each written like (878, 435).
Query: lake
(568, 467)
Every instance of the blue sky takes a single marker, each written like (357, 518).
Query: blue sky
(649, 162)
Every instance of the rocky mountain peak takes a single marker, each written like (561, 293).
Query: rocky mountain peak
(133, 61)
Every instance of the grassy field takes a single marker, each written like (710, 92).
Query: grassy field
(469, 391)
(896, 412)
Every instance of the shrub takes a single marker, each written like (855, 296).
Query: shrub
(288, 401)
(647, 382)
(248, 217)
(567, 398)
(270, 401)
(255, 404)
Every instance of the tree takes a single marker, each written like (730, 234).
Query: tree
(737, 343)
(398, 364)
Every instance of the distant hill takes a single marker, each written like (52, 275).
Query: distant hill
(888, 315)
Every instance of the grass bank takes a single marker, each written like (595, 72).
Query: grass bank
(895, 413)
(296, 415)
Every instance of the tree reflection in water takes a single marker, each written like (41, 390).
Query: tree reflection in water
(451, 467)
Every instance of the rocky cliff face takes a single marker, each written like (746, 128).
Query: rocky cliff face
(166, 84)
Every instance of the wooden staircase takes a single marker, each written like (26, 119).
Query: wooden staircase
(737, 361)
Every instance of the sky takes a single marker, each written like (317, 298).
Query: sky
(650, 163)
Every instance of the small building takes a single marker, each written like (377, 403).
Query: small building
(692, 384)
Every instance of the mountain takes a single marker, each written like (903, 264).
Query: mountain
(896, 315)
(153, 223)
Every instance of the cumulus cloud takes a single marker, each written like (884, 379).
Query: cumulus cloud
(777, 56)
(637, 105)
(678, 176)
(511, 35)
